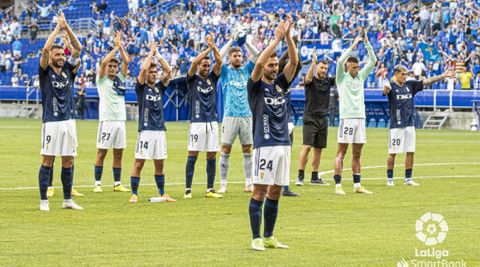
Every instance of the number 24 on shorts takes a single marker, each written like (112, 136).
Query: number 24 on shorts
(269, 165)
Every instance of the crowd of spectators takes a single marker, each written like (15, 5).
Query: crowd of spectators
(428, 39)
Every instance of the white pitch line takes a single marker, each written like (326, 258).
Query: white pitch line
(345, 169)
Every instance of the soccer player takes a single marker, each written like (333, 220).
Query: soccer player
(203, 130)
(67, 46)
(402, 118)
(271, 142)
(315, 122)
(59, 131)
(350, 81)
(112, 114)
(152, 141)
(237, 118)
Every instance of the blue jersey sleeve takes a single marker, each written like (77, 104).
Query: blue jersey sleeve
(416, 86)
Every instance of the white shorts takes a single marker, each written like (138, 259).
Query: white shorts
(401, 140)
(203, 136)
(59, 138)
(111, 134)
(352, 131)
(233, 126)
(271, 165)
(151, 145)
(290, 128)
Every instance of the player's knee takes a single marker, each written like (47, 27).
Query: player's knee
(317, 152)
(101, 153)
(138, 165)
(246, 148)
(211, 155)
(259, 195)
(226, 149)
(47, 161)
(306, 149)
(356, 155)
(67, 162)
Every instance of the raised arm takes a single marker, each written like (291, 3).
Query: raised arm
(123, 53)
(103, 66)
(216, 54)
(341, 60)
(167, 71)
(309, 75)
(372, 59)
(267, 52)
(146, 65)
(447, 74)
(77, 47)
(253, 50)
(48, 46)
(193, 67)
(291, 66)
(226, 47)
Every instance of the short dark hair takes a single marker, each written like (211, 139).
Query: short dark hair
(274, 54)
(153, 65)
(205, 58)
(234, 49)
(353, 60)
(56, 46)
(324, 62)
(115, 60)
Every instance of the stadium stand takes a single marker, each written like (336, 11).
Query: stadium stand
(428, 38)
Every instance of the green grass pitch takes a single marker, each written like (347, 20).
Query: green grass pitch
(322, 229)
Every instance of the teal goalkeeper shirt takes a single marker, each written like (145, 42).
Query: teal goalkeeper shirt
(350, 90)
(234, 89)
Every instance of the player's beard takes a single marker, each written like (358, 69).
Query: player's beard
(271, 76)
(237, 64)
(58, 63)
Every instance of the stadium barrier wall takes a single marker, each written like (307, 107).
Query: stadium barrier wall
(176, 103)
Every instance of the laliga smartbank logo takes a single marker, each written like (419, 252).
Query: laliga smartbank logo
(431, 229)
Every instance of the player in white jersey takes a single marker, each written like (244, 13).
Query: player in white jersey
(112, 114)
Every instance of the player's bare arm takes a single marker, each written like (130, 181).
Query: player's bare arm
(48, 46)
(77, 46)
(146, 65)
(167, 71)
(262, 59)
(123, 54)
(447, 74)
(291, 66)
(103, 66)
(216, 54)
(309, 75)
(193, 67)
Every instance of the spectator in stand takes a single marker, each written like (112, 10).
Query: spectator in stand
(465, 79)
(3, 61)
(15, 80)
(418, 69)
(17, 48)
(33, 29)
(45, 10)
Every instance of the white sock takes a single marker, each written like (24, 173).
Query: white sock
(98, 183)
(117, 183)
(357, 185)
(338, 185)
